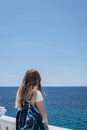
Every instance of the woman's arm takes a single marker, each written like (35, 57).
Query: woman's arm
(41, 109)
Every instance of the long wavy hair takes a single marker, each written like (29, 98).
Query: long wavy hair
(31, 82)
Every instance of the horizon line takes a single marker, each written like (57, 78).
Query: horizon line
(49, 86)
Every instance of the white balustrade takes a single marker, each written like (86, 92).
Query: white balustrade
(7, 122)
(10, 123)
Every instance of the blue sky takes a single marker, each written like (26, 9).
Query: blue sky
(49, 35)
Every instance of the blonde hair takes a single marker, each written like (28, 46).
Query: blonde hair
(30, 83)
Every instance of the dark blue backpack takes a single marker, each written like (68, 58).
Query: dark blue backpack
(29, 118)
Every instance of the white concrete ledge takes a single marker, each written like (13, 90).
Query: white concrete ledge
(9, 122)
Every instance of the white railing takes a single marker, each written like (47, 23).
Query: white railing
(9, 122)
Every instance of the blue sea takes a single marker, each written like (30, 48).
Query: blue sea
(65, 106)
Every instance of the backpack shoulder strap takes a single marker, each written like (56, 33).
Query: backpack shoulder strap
(17, 117)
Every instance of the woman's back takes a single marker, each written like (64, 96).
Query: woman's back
(31, 90)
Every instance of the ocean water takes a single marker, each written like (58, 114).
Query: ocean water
(65, 106)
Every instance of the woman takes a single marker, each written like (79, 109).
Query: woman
(31, 90)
